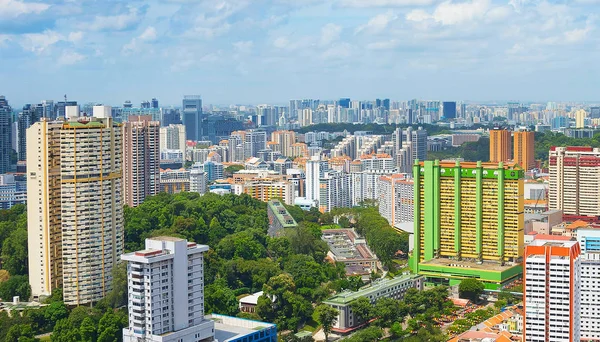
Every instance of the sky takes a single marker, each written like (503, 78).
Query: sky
(259, 51)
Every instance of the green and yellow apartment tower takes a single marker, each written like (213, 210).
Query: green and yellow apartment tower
(468, 222)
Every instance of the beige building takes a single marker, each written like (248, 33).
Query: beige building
(75, 207)
(574, 181)
(172, 137)
(141, 159)
(284, 141)
(580, 116)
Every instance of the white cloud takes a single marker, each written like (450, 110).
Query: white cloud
(383, 45)
(384, 3)
(15, 8)
(281, 43)
(577, 35)
(4, 38)
(115, 22)
(75, 37)
(377, 24)
(338, 51)
(449, 13)
(148, 35)
(243, 46)
(330, 33)
(70, 57)
(39, 42)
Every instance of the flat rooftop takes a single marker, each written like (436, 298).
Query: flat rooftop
(466, 264)
(229, 328)
(345, 244)
(346, 297)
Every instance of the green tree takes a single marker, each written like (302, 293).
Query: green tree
(19, 332)
(87, 330)
(388, 310)
(326, 316)
(471, 289)
(64, 332)
(79, 314)
(15, 286)
(117, 297)
(344, 222)
(219, 298)
(14, 252)
(111, 325)
(362, 309)
(366, 335)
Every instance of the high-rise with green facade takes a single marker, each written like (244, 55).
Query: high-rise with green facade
(468, 222)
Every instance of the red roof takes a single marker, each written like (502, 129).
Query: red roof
(552, 237)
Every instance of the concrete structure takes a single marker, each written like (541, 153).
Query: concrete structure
(191, 116)
(27, 117)
(395, 198)
(347, 247)
(141, 159)
(283, 142)
(574, 182)
(266, 189)
(552, 291)
(233, 329)
(580, 116)
(174, 181)
(166, 292)
(468, 220)
(198, 179)
(589, 242)
(12, 191)
(384, 288)
(249, 302)
(524, 150)
(75, 206)
(335, 191)
(5, 135)
(279, 218)
(173, 137)
(315, 170)
(500, 146)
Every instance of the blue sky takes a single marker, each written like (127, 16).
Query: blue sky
(259, 51)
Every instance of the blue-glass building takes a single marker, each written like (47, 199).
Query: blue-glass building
(233, 329)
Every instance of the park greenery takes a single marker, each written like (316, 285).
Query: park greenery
(471, 289)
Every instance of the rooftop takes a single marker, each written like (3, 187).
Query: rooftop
(345, 244)
(230, 328)
(486, 265)
(348, 296)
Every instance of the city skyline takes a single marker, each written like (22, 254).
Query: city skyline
(267, 52)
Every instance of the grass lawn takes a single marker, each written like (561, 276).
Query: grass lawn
(331, 226)
(45, 338)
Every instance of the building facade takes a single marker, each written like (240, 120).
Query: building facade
(279, 218)
(173, 137)
(469, 216)
(166, 292)
(174, 181)
(500, 146)
(191, 115)
(552, 292)
(395, 198)
(75, 206)
(12, 191)
(141, 159)
(5, 135)
(524, 150)
(574, 182)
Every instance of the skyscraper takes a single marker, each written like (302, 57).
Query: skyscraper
(580, 116)
(449, 110)
(173, 137)
(254, 141)
(468, 221)
(27, 117)
(284, 140)
(589, 242)
(75, 207)
(574, 181)
(500, 147)
(5, 135)
(191, 115)
(552, 291)
(418, 139)
(166, 292)
(524, 149)
(154, 103)
(315, 170)
(141, 159)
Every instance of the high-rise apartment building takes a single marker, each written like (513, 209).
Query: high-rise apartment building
(75, 205)
(500, 147)
(552, 281)
(254, 141)
(395, 198)
(335, 191)
(191, 115)
(284, 140)
(13, 191)
(173, 137)
(5, 135)
(418, 139)
(315, 170)
(27, 117)
(174, 181)
(468, 221)
(524, 150)
(574, 181)
(589, 242)
(141, 159)
(580, 116)
(166, 292)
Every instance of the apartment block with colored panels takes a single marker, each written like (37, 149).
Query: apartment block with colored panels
(468, 222)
